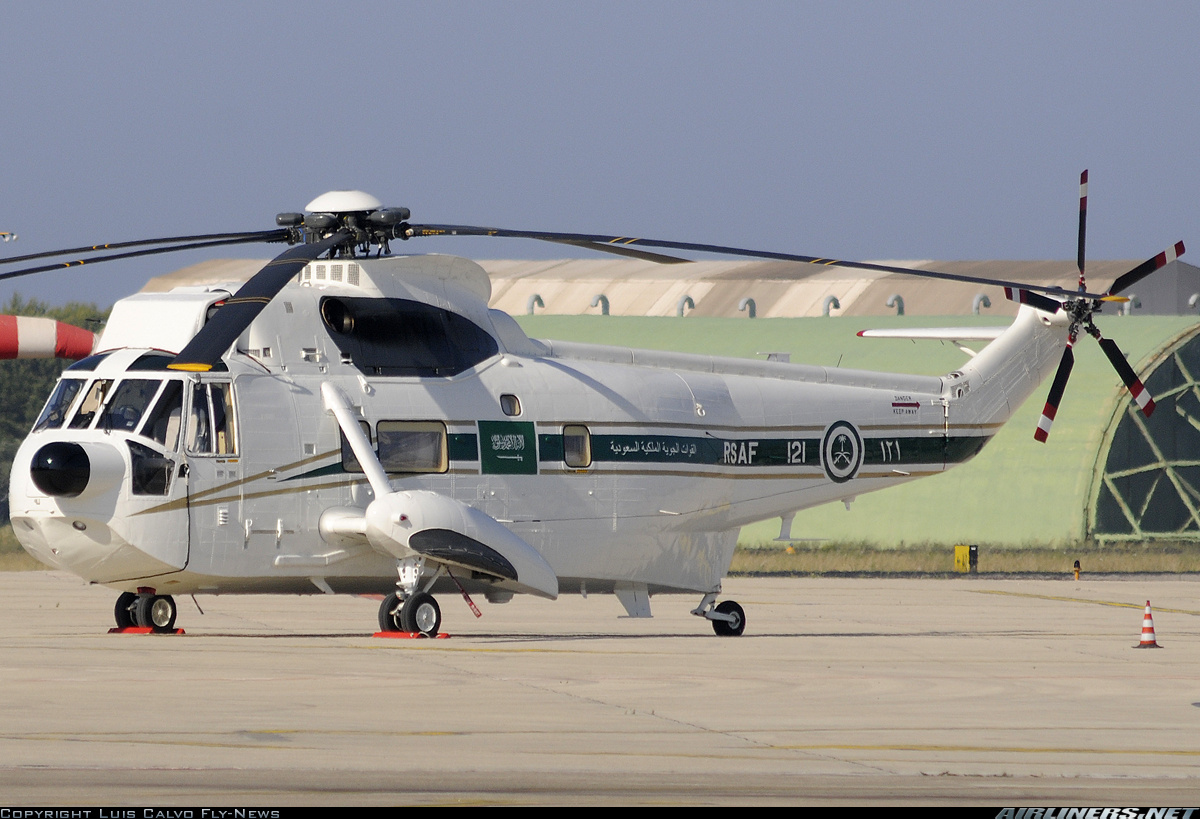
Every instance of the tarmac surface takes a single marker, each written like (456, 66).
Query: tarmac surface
(842, 691)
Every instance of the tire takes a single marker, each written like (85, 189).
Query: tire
(726, 629)
(124, 613)
(389, 621)
(421, 614)
(156, 612)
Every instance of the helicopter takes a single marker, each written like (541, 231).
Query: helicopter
(350, 421)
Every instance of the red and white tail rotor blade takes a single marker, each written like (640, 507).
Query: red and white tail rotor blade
(1127, 280)
(1138, 390)
(1056, 393)
(34, 337)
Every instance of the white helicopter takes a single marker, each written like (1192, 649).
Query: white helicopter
(355, 423)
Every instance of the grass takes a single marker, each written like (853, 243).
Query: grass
(938, 559)
(12, 557)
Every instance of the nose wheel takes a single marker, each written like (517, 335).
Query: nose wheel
(153, 611)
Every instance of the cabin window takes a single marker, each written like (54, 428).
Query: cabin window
(412, 446)
(404, 337)
(59, 405)
(349, 459)
(211, 421)
(128, 403)
(510, 404)
(577, 446)
(91, 403)
(164, 422)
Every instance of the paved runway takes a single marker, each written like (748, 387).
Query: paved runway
(841, 691)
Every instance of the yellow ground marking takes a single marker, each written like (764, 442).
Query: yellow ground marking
(1010, 749)
(1083, 600)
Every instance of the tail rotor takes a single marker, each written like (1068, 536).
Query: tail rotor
(1081, 307)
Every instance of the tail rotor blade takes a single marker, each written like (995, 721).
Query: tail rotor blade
(1127, 280)
(1056, 394)
(1138, 390)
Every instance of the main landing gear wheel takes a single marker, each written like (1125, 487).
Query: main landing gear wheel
(156, 612)
(124, 613)
(421, 613)
(389, 613)
(733, 627)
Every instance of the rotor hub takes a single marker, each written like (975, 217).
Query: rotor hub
(363, 217)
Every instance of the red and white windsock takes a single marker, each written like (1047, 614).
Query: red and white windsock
(31, 337)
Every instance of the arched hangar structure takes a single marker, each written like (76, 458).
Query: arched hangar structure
(1147, 477)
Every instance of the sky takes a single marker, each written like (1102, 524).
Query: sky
(880, 130)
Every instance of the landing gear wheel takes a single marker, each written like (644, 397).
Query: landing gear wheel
(389, 613)
(124, 613)
(156, 612)
(725, 628)
(421, 614)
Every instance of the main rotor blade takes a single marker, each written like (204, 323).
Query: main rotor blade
(620, 250)
(235, 315)
(1127, 280)
(244, 238)
(1082, 226)
(611, 243)
(1136, 388)
(1032, 299)
(202, 237)
(1056, 393)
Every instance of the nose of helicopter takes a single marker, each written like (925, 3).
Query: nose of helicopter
(69, 510)
(61, 469)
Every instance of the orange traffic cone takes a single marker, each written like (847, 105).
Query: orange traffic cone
(1148, 640)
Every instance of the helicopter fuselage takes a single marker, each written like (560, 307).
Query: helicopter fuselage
(623, 469)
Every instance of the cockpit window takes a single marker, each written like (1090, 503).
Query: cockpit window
(152, 471)
(59, 405)
(211, 424)
(127, 405)
(222, 403)
(152, 361)
(165, 420)
(91, 403)
(89, 364)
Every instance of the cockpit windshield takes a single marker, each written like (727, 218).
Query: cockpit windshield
(59, 405)
(128, 403)
(164, 422)
(91, 403)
